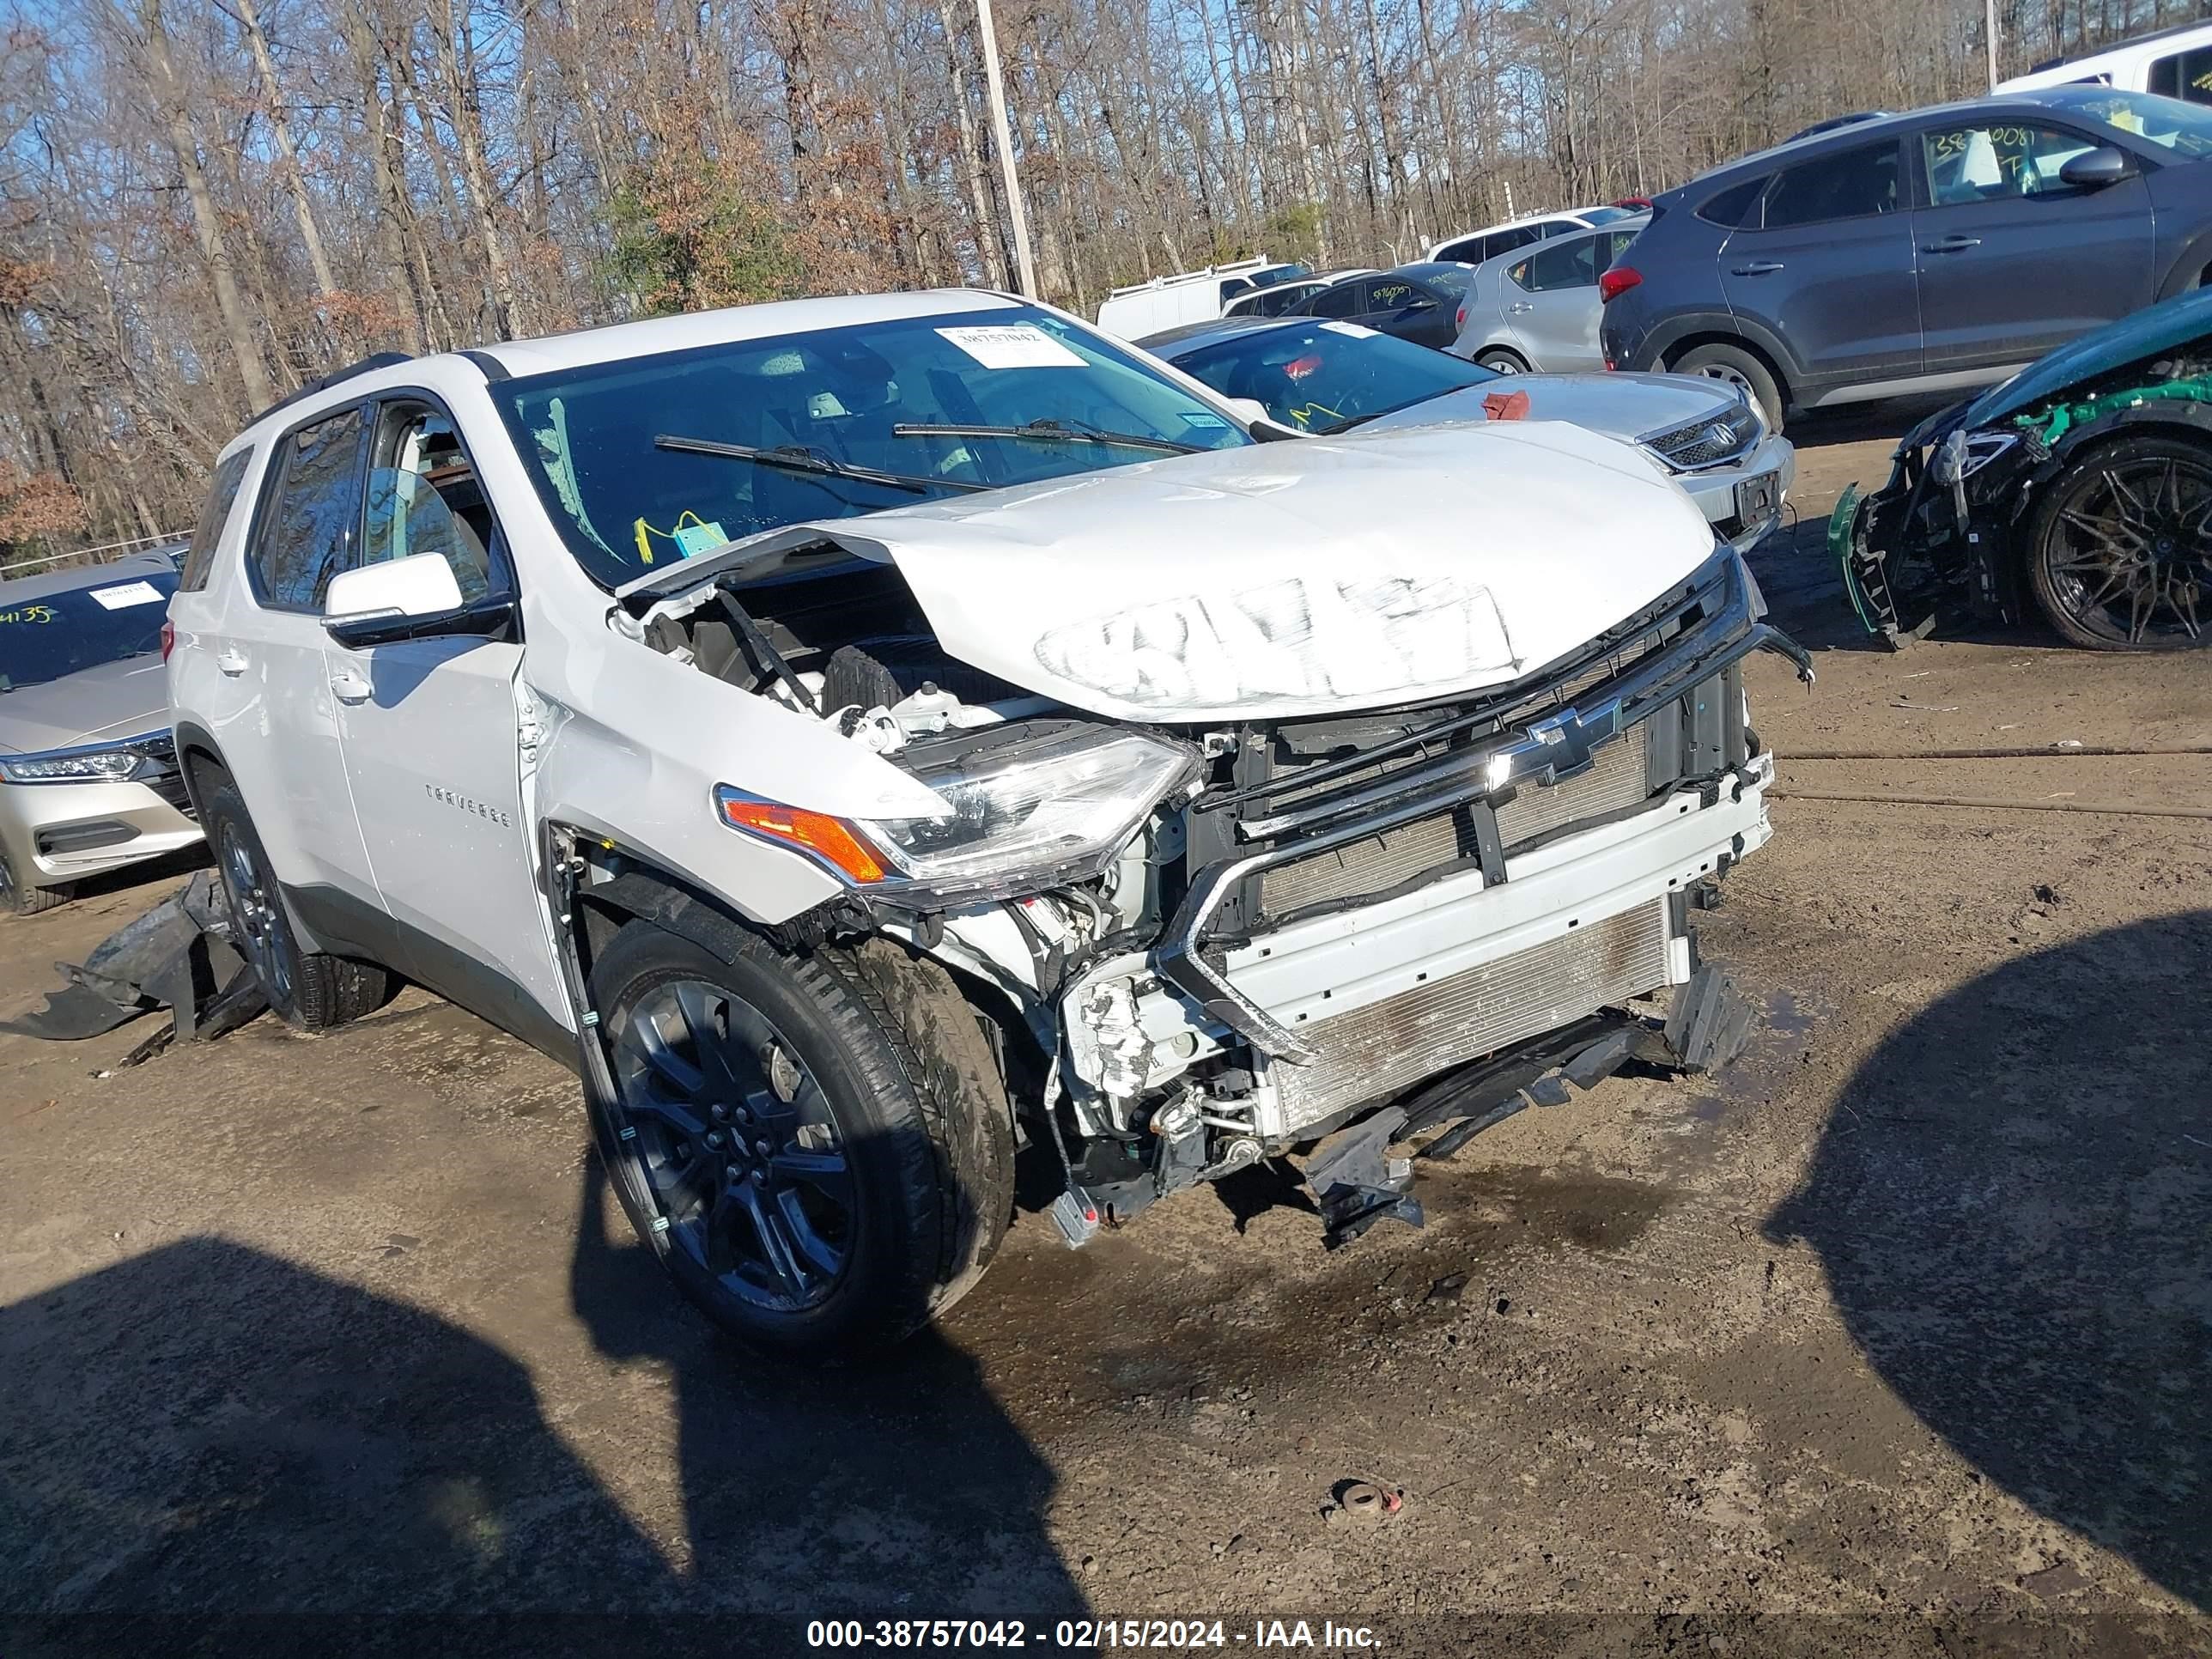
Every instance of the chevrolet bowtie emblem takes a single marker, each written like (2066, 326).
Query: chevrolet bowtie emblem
(1569, 742)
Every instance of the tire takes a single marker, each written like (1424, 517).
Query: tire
(1500, 362)
(18, 898)
(311, 991)
(887, 1180)
(2125, 521)
(1745, 370)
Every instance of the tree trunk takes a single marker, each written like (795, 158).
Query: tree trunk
(989, 251)
(169, 96)
(287, 158)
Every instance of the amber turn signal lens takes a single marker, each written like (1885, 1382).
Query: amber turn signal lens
(826, 837)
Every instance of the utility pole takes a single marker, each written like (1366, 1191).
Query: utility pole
(1990, 28)
(995, 91)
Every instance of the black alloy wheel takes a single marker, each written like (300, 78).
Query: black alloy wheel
(257, 916)
(2121, 558)
(739, 1144)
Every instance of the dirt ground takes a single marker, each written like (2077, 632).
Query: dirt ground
(1894, 1338)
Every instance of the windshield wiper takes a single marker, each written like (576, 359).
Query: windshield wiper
(1048, 431)
(793, 458)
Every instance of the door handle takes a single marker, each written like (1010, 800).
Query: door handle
(232, 662)
(1520, 305)
(349, 687)
(1759, 268)
(1951, 245)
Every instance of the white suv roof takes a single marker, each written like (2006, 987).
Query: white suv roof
(618, 341)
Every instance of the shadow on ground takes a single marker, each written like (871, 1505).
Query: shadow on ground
(206, 1428)
(2012, 1201)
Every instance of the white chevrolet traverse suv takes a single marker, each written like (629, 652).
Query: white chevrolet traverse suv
(864, 735)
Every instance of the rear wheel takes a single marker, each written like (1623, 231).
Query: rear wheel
(310, 990)
(817, 1146)
(2119, 555)
(1499, 362)
(19, 898)
(1744, 370)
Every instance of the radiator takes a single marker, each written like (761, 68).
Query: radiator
(1385, 1048)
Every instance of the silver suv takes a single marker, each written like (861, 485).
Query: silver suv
(861, 735)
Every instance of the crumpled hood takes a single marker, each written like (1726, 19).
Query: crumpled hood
(1629, 406)
(125, 699)
(1288, 579)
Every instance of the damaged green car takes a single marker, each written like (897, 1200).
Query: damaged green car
(2082, 487)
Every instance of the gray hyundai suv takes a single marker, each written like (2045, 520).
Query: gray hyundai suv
(1939, 250)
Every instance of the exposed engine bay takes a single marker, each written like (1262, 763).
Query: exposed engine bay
(1234, 939)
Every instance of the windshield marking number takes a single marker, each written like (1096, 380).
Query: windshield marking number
(1013, 345)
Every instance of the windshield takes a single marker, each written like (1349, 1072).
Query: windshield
(1450, 278)
(58, 634)
(641, 463)
(2171, 124)
(1321, 376)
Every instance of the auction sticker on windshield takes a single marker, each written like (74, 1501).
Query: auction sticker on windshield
(1013, 345)
(127, 595)
(1352, 329)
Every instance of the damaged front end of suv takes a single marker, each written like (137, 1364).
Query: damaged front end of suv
(2081, 488)
(1236, 845)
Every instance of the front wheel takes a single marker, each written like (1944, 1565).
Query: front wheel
(817, 1146)
(2119, 555)
(20, 898)
(1745, 371)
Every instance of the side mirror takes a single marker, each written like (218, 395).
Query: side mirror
(403, 600)
(2093, 169)
(1266, 429)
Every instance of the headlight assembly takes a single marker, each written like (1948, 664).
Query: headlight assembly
(75, 765)
(1963, 453)
(1028, 807)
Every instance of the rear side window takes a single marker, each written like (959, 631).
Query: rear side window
(2186, 74)
(312, 524)
(1338, 302)
(1852, 184)
(200, 559)
(1469, 250)
(1504, 242)
(1733, 207)
(1560, 264)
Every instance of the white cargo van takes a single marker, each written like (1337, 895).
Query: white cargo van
(1192, 296)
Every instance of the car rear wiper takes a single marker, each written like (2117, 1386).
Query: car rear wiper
(1046, 431)
(793, 458)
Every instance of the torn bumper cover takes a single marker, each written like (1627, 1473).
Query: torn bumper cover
(177, 956)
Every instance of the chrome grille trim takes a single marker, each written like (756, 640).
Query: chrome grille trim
(1389, 1046)
(1709, 440)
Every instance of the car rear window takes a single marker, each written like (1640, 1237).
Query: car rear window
(221, 494)
(57, 635)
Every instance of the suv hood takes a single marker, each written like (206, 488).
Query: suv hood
(125, 699)
(1631, 406)
(1282, 579)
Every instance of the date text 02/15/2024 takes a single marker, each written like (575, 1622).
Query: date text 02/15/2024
(1089, 1635)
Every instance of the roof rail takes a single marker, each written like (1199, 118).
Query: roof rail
(1234, 268)
(381, 360)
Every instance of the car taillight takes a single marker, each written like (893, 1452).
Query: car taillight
(1617, 282)
(1459, 319)
(168, 639)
